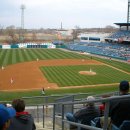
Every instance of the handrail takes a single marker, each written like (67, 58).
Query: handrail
(98, 100)
(106, 112)
(106, 100)
(81, 125)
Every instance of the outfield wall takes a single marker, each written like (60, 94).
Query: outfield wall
(32, 45)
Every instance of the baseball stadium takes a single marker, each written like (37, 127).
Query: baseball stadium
(65, 68)
(25, 71)
(67, 71)
(57, 68)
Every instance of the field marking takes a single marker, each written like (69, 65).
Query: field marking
(117, 69)
(67, 87)
(89, 86)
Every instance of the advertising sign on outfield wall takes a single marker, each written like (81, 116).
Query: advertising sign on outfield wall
(6, 47)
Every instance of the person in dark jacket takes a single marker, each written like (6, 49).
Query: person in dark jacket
(23, 120)
(86, 114)
(120, 109)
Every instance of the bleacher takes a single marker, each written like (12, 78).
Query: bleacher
(113, 50)
(53, 120)
(47, 117)
(120, 34)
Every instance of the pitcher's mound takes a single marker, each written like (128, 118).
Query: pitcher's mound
(87, 72)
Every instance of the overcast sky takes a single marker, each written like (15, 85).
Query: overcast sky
(50, 13)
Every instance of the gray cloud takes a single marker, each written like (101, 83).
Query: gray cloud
(49, 13)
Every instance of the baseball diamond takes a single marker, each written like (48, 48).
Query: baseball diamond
(55, 69)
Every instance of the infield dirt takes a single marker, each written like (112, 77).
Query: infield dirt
(27, 75)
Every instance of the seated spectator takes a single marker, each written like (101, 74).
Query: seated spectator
(86, 114)
(23, 120)
(120, 109)
(102, 105)
(5, 116)
(102, 108)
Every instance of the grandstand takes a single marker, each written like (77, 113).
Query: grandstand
(118, 51)
(115, 45)
(121, 36)
(49, 111)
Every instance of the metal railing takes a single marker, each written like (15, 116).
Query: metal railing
(106, 112)
(42, 109)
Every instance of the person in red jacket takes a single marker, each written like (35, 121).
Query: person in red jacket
(102, 108)
(23, 120)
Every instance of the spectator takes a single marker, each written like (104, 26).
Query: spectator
(120, 109)
(23, 120)
(102, 108)
(86, 114)
(102, 105)
(5, 116)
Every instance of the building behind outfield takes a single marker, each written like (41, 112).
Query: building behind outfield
(92, 37)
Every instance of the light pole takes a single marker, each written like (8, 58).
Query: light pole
(22, 22)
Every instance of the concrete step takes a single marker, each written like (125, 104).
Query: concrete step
(48, 126)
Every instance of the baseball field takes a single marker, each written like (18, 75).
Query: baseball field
(32, 69)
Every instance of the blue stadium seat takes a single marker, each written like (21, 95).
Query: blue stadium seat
(96, 122)
(114, 127)
(124, 126)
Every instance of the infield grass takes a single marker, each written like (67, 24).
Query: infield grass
(70, 76)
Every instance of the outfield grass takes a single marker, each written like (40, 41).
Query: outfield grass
(13, 56)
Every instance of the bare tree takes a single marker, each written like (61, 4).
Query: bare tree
(1, 29)
(74, 34)
(76, 31)
(12, 36)
(110, 29)
(34, 37)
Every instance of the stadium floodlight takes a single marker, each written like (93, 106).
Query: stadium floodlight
(128, 12)
(22, 16)
(21, 37)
